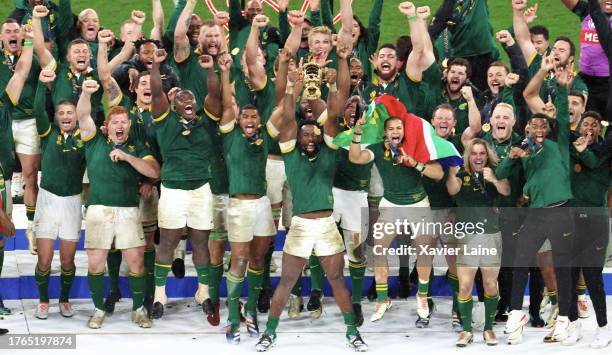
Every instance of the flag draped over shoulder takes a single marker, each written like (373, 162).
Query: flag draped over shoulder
(420, 140)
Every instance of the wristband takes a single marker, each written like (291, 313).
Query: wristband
(420, 167)
(27, 43)
(332, 87)
(357, 134)
(356, 142)
(357, 139)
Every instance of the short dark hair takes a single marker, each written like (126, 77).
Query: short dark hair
(388, 45)
(141, 75)
(141, 42)
(499, 63)
(65, 102)
(74, 42)
(404, 47)
(392, 118)
(461, 62)
(9, 20)
(592, 114)
(444, 106)
(540, 30)
(249, 107)
(578, 94)
(571, 44)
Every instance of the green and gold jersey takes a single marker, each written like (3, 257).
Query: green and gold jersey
(461, 114)
(351, 176)
(310, 179)
(193, 76)
(246, 161)
(403, 185)
(473, 34)
(219, 182)
(63, 154)
(113, 184)
(185, 147)
(7, 145)
(68, 86)
(515, 175)
(475, 200)
(23, 110)
(142, 127)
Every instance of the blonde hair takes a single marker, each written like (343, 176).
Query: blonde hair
(505, 105)
(85, 12)
(319, 30)
(492, 158)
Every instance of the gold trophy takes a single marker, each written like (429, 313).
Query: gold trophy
(312, 75)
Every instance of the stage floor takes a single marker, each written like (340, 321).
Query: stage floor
(184, 330)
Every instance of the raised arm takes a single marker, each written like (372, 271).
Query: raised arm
(212, 101)
(346, 16)
(330, 126)
(257, 71)
(517, 61)
(110, 86)
(228, 116)
(83, 109)
(182, 48)
(159, 103)
(171, 26)
(602, 26)
(327, 17)
(475, 125)
(532, 91)
(44, 56)
(521, 30)
(288, 127)
(374, 26)
(344, 77)
(357, 155)
(453, 183)
(564, 79)
(15, 85)
(236, 20)
(43, 124)
(157, 32)
(422, 56)
(291, 47)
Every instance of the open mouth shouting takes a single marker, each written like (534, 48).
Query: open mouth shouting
(212, 48)
(91, 32)
(478, 164)
(501, 130)
(454, 84)
(81, 64)
(250, 130)
(443, 130)
(495, 86)
(66, 124)
(13, 45)
(189, 110)
(386, 68)
(120, 134)
(539, 138)
(395, 140)
(308, 114)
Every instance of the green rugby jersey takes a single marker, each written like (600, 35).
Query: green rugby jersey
(310, 179)
(63, 154)
(7, 145)
(186, 151)
(351, 176)
(590, 175)
(112, 184)
(473, 34)
(408, 91)
(481, 195)
(246, 161)
(68, 86)
(403, 185)
(142, 127)
(515, 175)
(23, 110)
(219, 182)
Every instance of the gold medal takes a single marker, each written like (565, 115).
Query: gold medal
(486, 127)
(186, 133)
(577, 167)
(235, 51)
